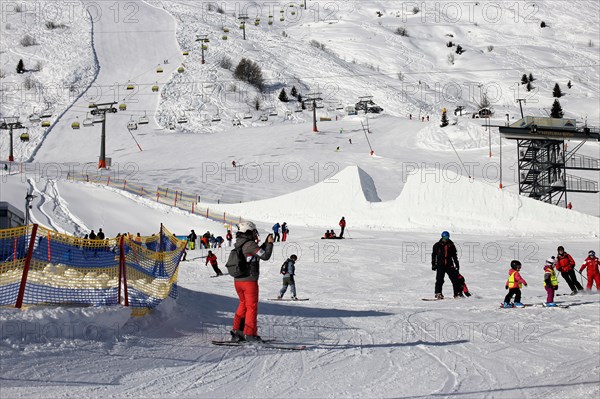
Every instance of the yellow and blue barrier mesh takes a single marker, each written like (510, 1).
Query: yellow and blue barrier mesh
(41, 266)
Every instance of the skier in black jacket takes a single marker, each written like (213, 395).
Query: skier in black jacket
(445, 261)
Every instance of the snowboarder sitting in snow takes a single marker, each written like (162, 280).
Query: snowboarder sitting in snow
(550, 281)
(212, 258)
(326, 236)
(445, 261)
(513, 285)
(288, 269)
(593, 274)
(463, 285)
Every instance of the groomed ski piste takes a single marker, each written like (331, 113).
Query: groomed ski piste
(366, 330)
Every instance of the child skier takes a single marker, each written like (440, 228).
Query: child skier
(513, 285)
(212, 258)
(593, 274)
(550, 281)
(288, 269)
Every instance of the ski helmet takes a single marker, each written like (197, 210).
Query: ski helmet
(592, 253)
(515, 264)
(294, 257)
(551, 260)
(445, 234)
(561, 248)
(246, 226)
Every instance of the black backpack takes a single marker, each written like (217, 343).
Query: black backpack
(236, 263)
(284, 267)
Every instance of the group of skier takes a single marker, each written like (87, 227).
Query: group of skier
(284, 231)
(562, 262)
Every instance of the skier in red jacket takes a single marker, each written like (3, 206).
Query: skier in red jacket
(565, 265)
(593, 274)
(343, 226)
(212, 258)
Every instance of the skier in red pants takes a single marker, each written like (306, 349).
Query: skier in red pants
(593, 274)
(244, 321)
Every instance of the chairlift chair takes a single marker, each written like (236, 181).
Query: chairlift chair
(45, 123)
(34, 117)
(273, 112)
(154, 88)
(159, 70)
(130, 86)
(226, 30)
(182, 119)
(122, 107)
(247, 115)
(180, 69)
(47, 113)
(88, 121)
(186, 53)
(98, 118)
(25, 136)
(171, 126)
(131, 125)
(216, 118)
(143, 119)
(224, 37)
(75, 124)
(264, 118)
(236, 122)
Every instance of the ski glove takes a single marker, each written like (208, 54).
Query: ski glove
(506, 287)
(433, 267)
(555, 287)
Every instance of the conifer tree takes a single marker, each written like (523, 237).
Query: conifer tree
(556, 111)
(283, 97)
(556, 92)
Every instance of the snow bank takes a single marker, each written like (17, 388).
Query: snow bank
(431, 200)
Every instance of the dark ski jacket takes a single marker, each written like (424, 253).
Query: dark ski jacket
(444, 255)
(253, 254)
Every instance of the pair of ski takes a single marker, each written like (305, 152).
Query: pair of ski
(267, 344)
(288, 299)
(526, 305)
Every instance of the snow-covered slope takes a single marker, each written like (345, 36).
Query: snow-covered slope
(369, 334)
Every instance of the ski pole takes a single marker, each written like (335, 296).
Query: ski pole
(348, 233)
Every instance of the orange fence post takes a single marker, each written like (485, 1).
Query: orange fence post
(49, 251)
(123, 272)
(192, 208)
(157, 196)
(19, 302)
(15, 252)
(124, 184)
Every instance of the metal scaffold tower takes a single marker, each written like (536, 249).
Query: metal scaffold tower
(543, 158)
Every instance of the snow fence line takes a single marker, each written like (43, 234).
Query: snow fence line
(39, 266)
(164, 195)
